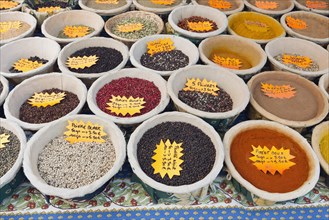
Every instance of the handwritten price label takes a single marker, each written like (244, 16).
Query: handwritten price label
(266, 5)
(8, 4)
(127, 28)
(112, 2)
(278, 91)
(25, 65)
(301, 61)
(46, 99)
(230, 63)
(6, 26)
(256, 26)
(49, 10)
(200, 26)
(296, 23)
(123, 105)
(203, 86)
(160, 45)
(4, 139)
(76, 31)
(81, 62)
(163, 2)
(220, 4)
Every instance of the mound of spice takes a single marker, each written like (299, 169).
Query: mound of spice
(25, 65)
(8, 4)
(134, 28)
(75, 31)
(9, 150)
(48, 105)
(11, 29)
(51, 6)
(324, 146)
(205, 96)
(170, 153)
(197, 24)
(128, 97)
(105, 4)
(298, 62)
(94, 60)
(65, 165)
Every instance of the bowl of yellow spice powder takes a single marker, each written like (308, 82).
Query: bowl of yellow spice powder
(255, 26)
(320, 144)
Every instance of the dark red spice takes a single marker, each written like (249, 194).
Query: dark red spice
(127, 86)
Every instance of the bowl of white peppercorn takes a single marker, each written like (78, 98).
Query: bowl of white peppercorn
(75, 157)
(12, 145)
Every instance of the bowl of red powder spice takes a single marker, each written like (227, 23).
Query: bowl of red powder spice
(128, 97)
(270, 162)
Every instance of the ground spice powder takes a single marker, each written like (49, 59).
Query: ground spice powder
(292, 178)
(324, 147)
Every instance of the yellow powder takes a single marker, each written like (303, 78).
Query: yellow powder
(255, 26)
(324, 147)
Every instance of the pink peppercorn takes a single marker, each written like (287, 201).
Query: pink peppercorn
(127, 86)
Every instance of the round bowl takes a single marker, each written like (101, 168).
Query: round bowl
(303, 7)
(271, 12)
(317, 135)
(324, 84)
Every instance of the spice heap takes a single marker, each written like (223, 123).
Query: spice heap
(134, 28)
(25, 65)
(11, 29)
(315, 4)
(75, 31)
(78, 158)
(7, 4)
(51, 6)
(269, 160)
(105, 4)
(9, 150)
(229, 59)
(324, 146)
(170, 153)
(298, 62)
(163, 56)
(197, 24)
(205, 96)
(94, 60)
(48, 105)
(127, 97)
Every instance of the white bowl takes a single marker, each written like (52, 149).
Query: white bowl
(71, 48)
(313, 176)
(19, 16)
(140, 47)
(183, 12)
(18, 131)
(317, 135)
(292, 33)
(304, 8)
(55, 129)
(175, 117)
(228, 12)
(25, 48)
(160, 11)
(5, 89)
(274, 13)
(324, 84)
(54, 24)
(245, 47)
(26, 89)
(105, 12)
(301, 47)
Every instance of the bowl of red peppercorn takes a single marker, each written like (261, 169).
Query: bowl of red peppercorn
(128, 97)
(197, 21)
(43, 99)
(27, 57)
(183, 53)
(4, 89)
(111, 56)
(215, 95)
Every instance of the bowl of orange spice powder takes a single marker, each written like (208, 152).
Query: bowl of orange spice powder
(270, 162)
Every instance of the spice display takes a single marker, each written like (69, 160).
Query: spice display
(255, 26)
(271, 5)
(229, 59)
(298, 62)
(8, 4)
(75, 31)
(159, 3)
(49, 6)
(9, 150)
(11, 29)
(25, 65)
(143, 28)
(197, 24)
(324, 146)
(286, 167)
(205, 96)
(66, 165)
(315, 4)
(46, 113)
(115, 97)
(106, 59)
(222, 5)
(193, 162)
(165, 61)
(105, 4)
(308, 25)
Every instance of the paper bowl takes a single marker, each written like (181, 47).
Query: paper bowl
(301, 47)
(25, 48)
(161, 10)
(14, 16)
(273, 13)
(240, 6)
(89, 78)
(324, 84)
(54, 24)
(175, 117)
(242, 46)
(140, 47)
(313, 175)
(55, 129)
(26, 89)
(133, 73)
(197, 10)
(5, 89)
